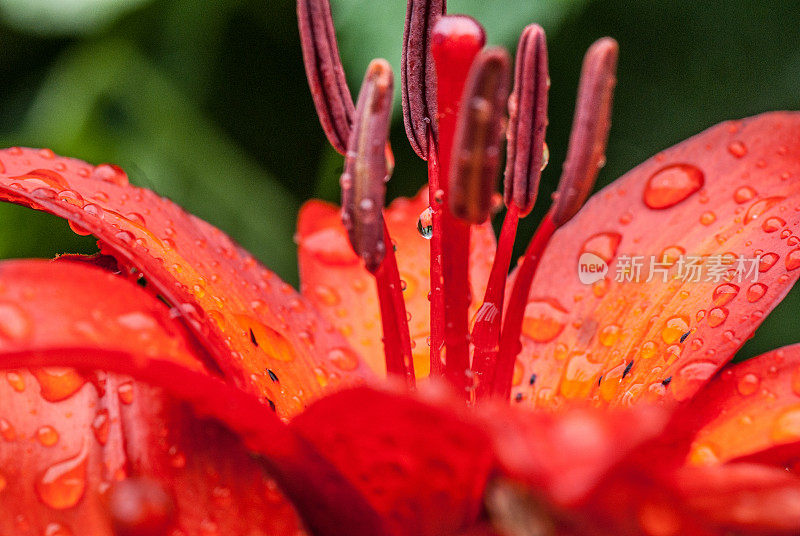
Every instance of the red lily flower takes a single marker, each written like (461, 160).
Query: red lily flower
(172, 385)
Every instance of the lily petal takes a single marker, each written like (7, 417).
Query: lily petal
(336, 282)
(250, 321)
(751, 410)
(730, 191)
(57, 314)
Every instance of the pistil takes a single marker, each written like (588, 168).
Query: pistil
(455, 41)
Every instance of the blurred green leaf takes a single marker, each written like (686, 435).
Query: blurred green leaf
(111, 104)
(64, 17)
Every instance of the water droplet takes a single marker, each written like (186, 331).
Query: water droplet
(77, 229)
(326, 295)
(787, 425)
(748, 384)
(425, 224)
(343, 358)
(609, 335)
(737, 149)
(671, 185)
(707, 218)
(724, 293)
(47, 436)
(674, 329)
(14, 322)
(545, 156)
(767, 261)
(62, 485)
(744, 194)
(7, 431)
(57, 529)
(756, 291)
(15, 381)
(58, 384)
(110, 173)
(761, 206)
(793, 260)
(604, 245)
(544, 319)
(100, 426)
(580, 376)
(140, 506)
(772, 224)
(717, 316)
(125, 393)
(648, 350)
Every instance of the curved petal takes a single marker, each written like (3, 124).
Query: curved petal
(333, 278)
(95, 428)
(751, 409)
(731, 191)
(420, 463)
(254, 326)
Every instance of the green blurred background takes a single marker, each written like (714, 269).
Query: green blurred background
(205, 101)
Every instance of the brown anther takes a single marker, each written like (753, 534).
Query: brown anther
(140, 506)
(365, 167)
(527, 121)
(587, 141)
(478, 136)
(418, 73)
(324, 71)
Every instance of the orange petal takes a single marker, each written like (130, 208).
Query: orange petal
(749, 410)
(95, 428)
(732, 190)
(250, 322)
(334, 280)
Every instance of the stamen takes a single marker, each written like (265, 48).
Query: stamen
(363, 193)
(587, 141)
(418, 74)
(524, 162)
(527, 121)
(324, 71)
(455, 41)
(364, 179)
(584, 158)
(476, 147)
(435, 195)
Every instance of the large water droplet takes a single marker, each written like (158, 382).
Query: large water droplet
(760, 207)
(737, 149)
(609, 335)
(756, 292)
(672, 184)
(62, 485)
(772, 224)
(47, 436)
(544, 319)
(580, 376)
(674, 328)
(748, 384)
(793, 260)
(140, 506)
(717, 316)
(724, 293)
(425, 223)
(787, 425)
(14, 322)
(58, 384)
(767, 261)
(15, 381)
(604, 245)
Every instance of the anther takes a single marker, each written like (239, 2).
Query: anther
(527, 121)
(364, 177)
(476, 146)
(418, 74)
(587, 141)
(324, 71)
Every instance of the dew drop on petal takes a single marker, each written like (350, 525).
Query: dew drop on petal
(787, 425)
(744, 194)
(756, 291)
(604, 245)
(47, 436)
(748, 384)
(737, 149)
(767, 261)
(58, 384)
(140, 506)
(125, 393)
(57, 529)
(425, 223)
(544, 319)
(580, 376)
(761, 206)
(100, 426)
(61, 486)
(793, 260)
(771, 225)
(724, 293)
(674, 328)
(671, 185)
(609, 335)
(343, 358)
(717, 316)
(14, 322)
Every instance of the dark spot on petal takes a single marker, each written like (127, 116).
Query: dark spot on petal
(532, 380)
(666, 381)
(518, 397)
(253, 339)
(271, 404)
(273, 376)
(683, 337)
